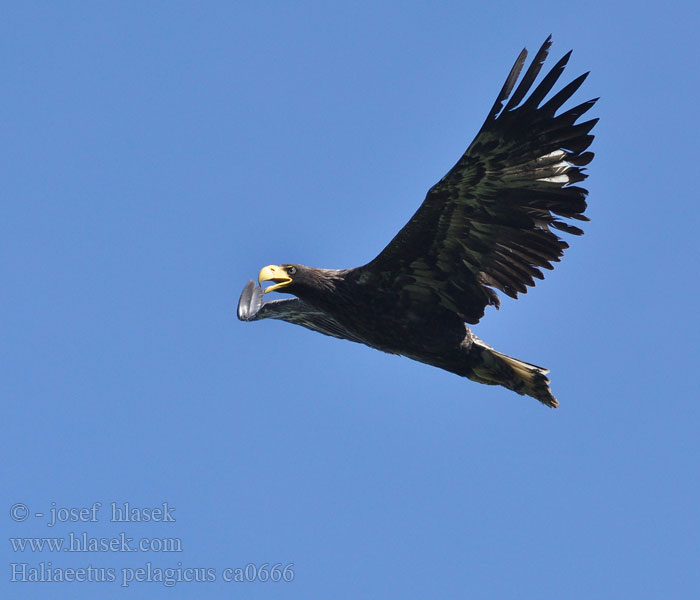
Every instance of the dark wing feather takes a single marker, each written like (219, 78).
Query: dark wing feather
(487, 224)
(251, 307)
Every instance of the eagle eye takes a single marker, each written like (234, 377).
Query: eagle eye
(291, 270)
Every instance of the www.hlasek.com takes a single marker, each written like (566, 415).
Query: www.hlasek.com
(82, 542)
(167, 576)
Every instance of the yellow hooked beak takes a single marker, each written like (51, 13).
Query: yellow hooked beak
(276, 274)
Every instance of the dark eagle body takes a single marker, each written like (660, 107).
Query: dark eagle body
(486, 225)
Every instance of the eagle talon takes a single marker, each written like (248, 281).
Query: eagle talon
(250, 302)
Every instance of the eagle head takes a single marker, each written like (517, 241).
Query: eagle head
(298, 280)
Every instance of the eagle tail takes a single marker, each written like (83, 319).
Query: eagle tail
(493, 368)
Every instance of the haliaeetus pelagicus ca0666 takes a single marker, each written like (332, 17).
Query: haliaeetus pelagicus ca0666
(489, 224)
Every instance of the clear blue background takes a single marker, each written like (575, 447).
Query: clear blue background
(155, 155)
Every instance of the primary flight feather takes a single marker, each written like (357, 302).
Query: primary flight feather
(489, 224)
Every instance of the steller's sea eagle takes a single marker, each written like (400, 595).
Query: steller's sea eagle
(487, 225)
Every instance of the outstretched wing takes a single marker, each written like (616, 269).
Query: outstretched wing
(488, 222)
(251, 307)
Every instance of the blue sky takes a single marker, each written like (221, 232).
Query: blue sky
(156, 155)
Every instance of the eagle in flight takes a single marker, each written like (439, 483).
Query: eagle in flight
(491, 223)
